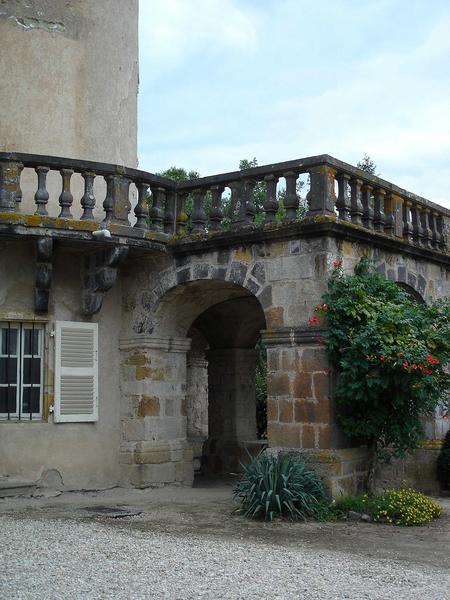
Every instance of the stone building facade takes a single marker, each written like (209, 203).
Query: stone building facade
(141, 365)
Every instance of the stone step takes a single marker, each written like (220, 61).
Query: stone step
(16, 487)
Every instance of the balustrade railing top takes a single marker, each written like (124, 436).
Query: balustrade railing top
(228, 201)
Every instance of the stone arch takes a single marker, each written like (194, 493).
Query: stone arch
(250, 277)
(413, 282)
(414, 294)
(225, 318)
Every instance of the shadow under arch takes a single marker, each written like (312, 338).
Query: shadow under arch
(414, 294)
(180, 306)
(223, 321)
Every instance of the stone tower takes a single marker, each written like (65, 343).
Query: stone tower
(69, 74)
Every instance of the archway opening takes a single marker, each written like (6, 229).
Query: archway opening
(213, 400)
(225, 400)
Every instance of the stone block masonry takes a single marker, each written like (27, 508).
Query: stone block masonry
(154, 448)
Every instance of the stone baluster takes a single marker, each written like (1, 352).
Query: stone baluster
(426, 231)
(367, 202)
(379, 217)
(216, 214)
(433, 227)
(156, 211)
(442, 238)
(416, 223)
(182, 217)
(343, 200)
(291, 198)
(169, 212)
(88, 199)
(249, 204)
(271, 204)
(10, 192)
(394, 215)
(198, 212)
(41, 196)
(65, 198)
(117, 203)
(356, 207)
(141, 209)
(321, 197)
(408, 229)
(236, 202)
(108, 201)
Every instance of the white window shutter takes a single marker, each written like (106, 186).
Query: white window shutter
(76, 372)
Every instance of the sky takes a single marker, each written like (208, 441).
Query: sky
(223, 80)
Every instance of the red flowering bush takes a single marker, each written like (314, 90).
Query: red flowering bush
(389, 353)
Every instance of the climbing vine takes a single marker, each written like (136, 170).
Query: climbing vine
(389, 354)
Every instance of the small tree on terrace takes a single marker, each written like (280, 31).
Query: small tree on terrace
(366, 164)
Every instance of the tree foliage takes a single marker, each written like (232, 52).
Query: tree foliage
(366, 164)
(180, 174)
(389, 353)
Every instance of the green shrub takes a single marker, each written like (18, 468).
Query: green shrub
(398, 507)
(360, 504)
(443, 464)
(389, 354)
(279, 486)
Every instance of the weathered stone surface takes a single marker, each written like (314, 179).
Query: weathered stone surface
(272, 410)
(201, 271)
(184, 275)
(278, 385)
(274, 317)
(314, 359)
(286, 411)
(148, 407)
(238, 272)
(285, 435)
(258, 272)
(265, 297)
(302, 387)
(321, 385)
(304, 411)
(308, 436)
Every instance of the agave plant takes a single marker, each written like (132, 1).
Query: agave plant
(279, 486)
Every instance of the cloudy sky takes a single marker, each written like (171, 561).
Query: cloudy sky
(222, 80)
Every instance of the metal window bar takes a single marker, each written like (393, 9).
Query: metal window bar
(30, 373)
(19, 385)
(8, 356)
(19, 379)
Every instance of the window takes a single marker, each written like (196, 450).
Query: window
(21, 370)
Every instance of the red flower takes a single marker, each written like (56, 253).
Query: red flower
(337, 263)
(431, 359)
(313, 320)
(405, 364)
(322, 341)
(382, 358)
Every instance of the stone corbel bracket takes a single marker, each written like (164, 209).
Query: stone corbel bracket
(44, 272)
(100, 274)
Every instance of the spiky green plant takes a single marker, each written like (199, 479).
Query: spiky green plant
(276, 486)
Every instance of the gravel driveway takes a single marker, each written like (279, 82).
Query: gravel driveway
(176, 551)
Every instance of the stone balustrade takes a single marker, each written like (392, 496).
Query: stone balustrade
(332, 190)
(116, 205)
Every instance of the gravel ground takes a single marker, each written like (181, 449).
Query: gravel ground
(81, 559)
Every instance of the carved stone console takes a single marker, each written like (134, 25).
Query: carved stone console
(100, 274)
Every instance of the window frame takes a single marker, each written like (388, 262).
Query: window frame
(21, 327)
